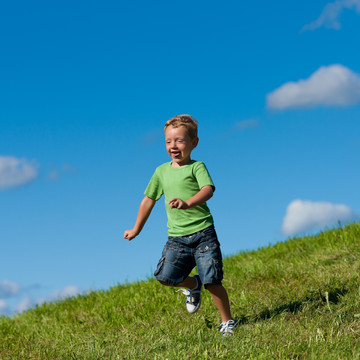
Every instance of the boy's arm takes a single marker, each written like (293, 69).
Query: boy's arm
(202, 196)
(145, 208)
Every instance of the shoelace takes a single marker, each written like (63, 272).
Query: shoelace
(189, 293)
(227, 327)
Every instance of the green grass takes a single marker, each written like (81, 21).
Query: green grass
(295, 300)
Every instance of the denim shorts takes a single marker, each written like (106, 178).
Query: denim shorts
(182, 253)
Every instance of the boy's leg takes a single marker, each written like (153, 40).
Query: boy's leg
(221, 300)
(209, 264)
(189, 283)
(193, 287)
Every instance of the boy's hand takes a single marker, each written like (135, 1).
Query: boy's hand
(130, 234)
(178, 204)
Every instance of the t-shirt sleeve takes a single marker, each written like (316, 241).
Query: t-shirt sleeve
(202, 175)
(154, 189)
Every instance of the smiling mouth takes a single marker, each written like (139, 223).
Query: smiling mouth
(175, 153)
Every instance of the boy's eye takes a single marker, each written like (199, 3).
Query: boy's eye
(176, 140)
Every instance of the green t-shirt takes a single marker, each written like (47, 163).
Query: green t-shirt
(182, 182)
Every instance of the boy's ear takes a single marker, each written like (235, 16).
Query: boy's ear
(195, 142)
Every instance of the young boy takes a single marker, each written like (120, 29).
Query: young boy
(192, 240)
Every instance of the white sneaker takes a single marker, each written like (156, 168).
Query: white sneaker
(227, 328)
(193, 297)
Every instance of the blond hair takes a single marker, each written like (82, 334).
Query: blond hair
(186, 121)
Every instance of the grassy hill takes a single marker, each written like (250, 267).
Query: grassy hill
(295, 300)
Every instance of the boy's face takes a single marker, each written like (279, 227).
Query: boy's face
(179, 145)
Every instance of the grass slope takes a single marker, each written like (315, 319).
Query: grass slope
(294, 300)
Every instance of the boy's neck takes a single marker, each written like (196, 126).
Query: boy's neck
(176, 165)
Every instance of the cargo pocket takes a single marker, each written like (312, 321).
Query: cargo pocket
(159, 266)
(217, 269)
(209, 262)
(207, 252)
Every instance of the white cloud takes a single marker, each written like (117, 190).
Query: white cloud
(329, 17)
(239, 126)
(247, 124)
(25, 304)
(16, 172)
(68, 291)
(4, 308)
(55, 173)
(8, 289)
(29, 302)
(333, 85)
(303, 216)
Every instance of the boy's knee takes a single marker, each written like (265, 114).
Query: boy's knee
(163, 283)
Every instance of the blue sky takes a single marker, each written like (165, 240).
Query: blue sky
(85, 88)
